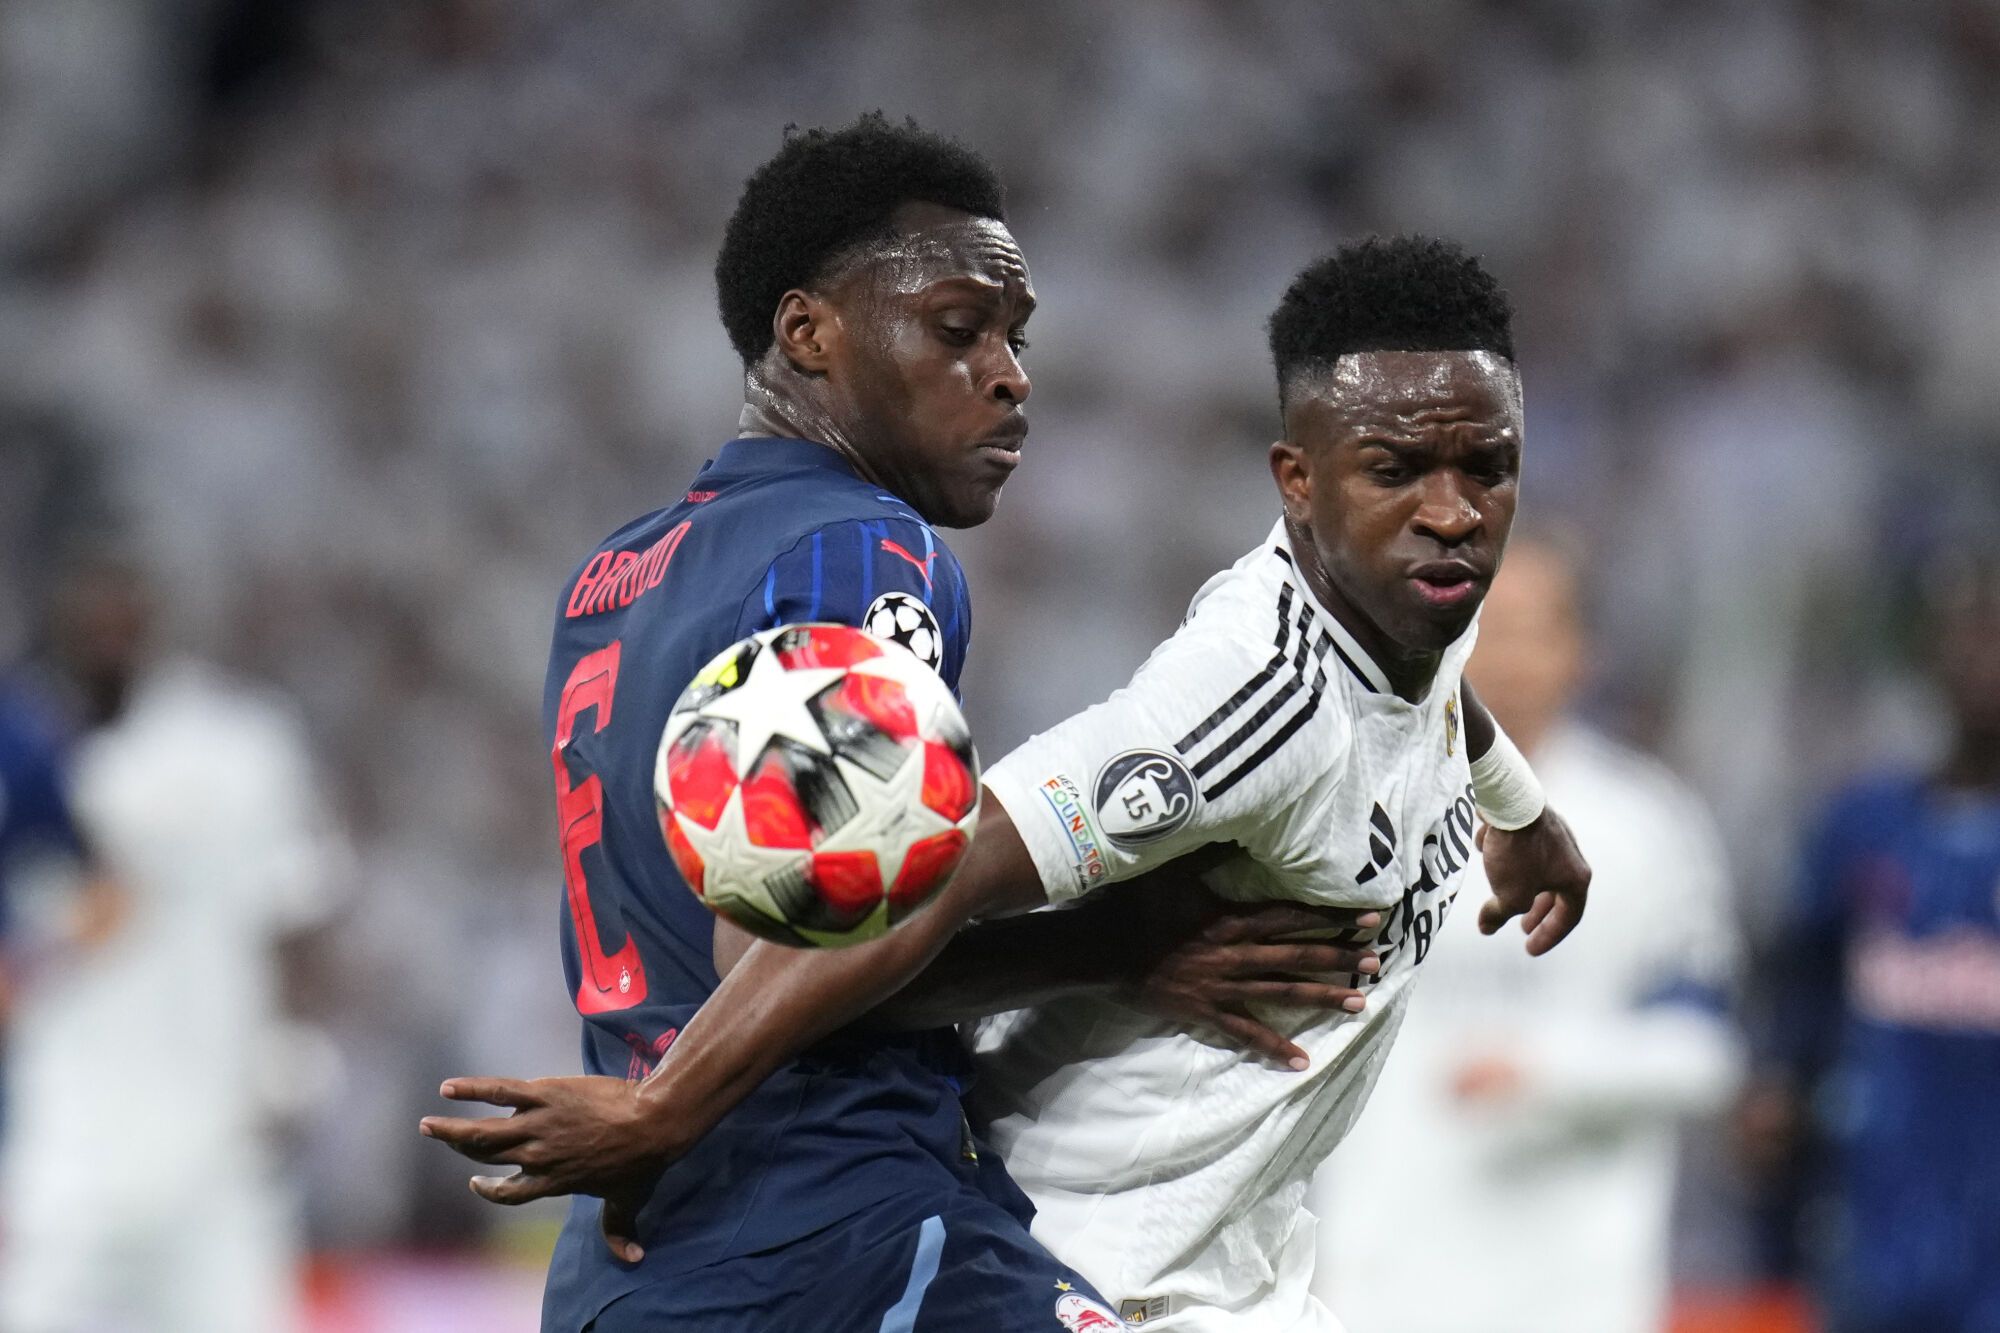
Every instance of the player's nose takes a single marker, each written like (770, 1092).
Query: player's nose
(1010, 383)
(1446, 513)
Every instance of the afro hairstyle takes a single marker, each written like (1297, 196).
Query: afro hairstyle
(826, 193)
(1388, 294)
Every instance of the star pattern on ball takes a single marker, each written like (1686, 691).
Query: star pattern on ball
(898, 819)
(734, 865)
(771, 701)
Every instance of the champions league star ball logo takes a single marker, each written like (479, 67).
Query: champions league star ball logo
(1143, 795)
(904, 620)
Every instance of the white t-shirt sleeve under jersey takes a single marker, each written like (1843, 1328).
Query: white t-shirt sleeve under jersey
(1227, 733)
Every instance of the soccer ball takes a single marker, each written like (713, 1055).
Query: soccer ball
(816, 785)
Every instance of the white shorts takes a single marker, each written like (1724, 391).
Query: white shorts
(1287, 1306)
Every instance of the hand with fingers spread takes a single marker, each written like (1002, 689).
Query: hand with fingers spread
(575, 1135)
(1213, 959)
(1538, 874)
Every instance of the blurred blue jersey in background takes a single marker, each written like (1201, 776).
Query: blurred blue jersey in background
(1891, 1009)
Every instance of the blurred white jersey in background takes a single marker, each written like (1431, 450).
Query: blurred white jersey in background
(140, 1188)
(1515, 1170)
(1168, 1169)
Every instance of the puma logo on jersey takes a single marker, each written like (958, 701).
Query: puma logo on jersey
(923, 565)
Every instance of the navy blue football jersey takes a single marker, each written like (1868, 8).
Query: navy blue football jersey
(1891, 989)
(772, 532)
(34, 810)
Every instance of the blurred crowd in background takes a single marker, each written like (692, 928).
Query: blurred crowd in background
(334, 332)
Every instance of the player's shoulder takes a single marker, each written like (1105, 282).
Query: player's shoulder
(1259, 679)
(1258, 614)
(1253, 593)
(831, 511)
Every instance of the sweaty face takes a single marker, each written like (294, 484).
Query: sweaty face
(1402, 469)
(929, 380)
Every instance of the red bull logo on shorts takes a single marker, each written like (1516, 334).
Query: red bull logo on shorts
(1076, 1311)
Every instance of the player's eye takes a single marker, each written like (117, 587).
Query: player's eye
(961, 325)
(1392, 474)
(1018, 341)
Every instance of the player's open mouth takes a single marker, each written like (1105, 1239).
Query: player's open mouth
(1445, 583)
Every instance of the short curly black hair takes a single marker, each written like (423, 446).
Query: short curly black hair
(1389, 294)
(825, 193)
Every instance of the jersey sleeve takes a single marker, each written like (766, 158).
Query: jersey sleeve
(1217, 738)
(890, 576)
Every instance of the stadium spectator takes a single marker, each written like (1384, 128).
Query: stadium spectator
(141, 1189)
(1529, 1113)
(1883, 1040)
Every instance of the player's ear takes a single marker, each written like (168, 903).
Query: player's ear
(805, 330)
(1294, 478)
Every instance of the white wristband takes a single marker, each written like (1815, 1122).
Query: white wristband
(1504, 787)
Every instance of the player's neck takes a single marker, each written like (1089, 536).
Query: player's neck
(773, 405)
(1410, 672)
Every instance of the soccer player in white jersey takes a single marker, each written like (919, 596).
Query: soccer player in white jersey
(1309, 712)
(1587, 1064)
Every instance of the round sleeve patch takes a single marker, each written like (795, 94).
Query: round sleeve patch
(1144, 795)
(907, 621)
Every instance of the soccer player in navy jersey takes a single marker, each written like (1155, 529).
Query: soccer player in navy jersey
(37, 826)
(35, 818)
(1883, 1040)
(878, 301)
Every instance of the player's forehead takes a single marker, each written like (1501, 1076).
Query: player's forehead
(1407, 393)
(932, 244)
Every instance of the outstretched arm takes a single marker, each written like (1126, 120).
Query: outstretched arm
(1182, 953)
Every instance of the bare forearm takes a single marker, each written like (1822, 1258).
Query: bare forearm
(1015, 963)
(775, 1002)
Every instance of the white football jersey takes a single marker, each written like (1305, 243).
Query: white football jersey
(1169, 1168)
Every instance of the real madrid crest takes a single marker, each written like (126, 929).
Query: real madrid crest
(1451, 726)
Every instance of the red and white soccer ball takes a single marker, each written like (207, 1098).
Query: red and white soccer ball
(816, 785)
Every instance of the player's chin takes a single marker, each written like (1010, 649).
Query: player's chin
(970, 502)
(1430, 628)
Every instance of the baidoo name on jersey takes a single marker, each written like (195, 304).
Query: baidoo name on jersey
(613, 580)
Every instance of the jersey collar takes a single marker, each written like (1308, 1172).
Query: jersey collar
(1345, 645)
(751, 454)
